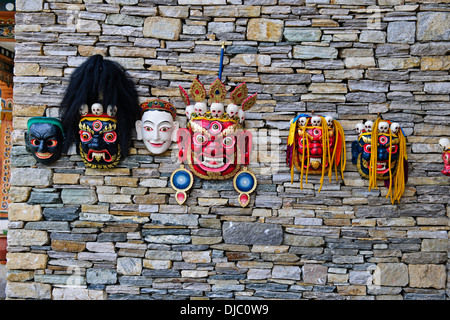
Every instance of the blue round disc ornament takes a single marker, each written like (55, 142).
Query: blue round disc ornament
(181, 180)
(245, 182)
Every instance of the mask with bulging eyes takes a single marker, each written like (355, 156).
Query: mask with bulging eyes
(217, 147)
(98, 110)
(98, 146)
(380, 154)
(315, 145)
(385, 148)
(214, 146)
(44, 139)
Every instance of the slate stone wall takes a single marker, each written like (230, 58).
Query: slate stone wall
(119, 234)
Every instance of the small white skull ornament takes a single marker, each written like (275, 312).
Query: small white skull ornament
(329, 121)
(383, 127)
(200, 108)
(232, 110)
(316, 121)
(111, 110)
(241, 114)
(84, 110)
(217, 110)
(368, 126)
(303, 121)
(444, 143)
(189, 110)
(97, 109)
(359, 128)
(395, 127)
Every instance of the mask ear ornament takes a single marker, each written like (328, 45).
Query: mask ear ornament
(214, 145)
(380, 154)
(316, 145)
(444, 143)
(181, 180)
(245, 183)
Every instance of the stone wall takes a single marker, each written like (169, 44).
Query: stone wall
(119, 234)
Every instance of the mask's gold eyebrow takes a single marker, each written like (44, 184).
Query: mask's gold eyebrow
(229, 130)
(85, 127)
(110, 127)
(198, 128)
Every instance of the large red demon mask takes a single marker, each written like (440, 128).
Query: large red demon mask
(214, 148)
(214, 145)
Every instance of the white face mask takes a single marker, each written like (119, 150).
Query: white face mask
(157, 129)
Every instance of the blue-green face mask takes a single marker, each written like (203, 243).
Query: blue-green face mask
(44, 139)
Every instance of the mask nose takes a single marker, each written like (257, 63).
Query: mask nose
(213, 149)
(156, 135)
(382, 154)
(42, 147)
(94, 143)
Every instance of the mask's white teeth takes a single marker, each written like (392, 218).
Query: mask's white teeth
(207, 162)
(98, 156)
(381, 165)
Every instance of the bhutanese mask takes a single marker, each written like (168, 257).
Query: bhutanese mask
(157, 126)
(380, 154)
(444, 143)
(98, 111)
(98, 145)
(316, 145)
(44, 139)
(214, 146)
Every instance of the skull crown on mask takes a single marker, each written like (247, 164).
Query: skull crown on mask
(315, 145)
(214, 137)
(98, 109)
(214, 145)
(362, 149)
(380, 153)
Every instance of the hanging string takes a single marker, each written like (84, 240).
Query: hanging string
(303, 157)
(308, 159)
(291, 139)
(333, 161)
(325, 144)
(292, 163)
(400, 176)
(333, 157)
(342, 156)
(373, 156)
(390, 168)
(397, 178)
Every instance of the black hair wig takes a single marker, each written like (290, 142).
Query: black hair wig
(98, 80)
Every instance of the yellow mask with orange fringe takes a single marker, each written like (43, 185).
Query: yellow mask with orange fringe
(316, 145)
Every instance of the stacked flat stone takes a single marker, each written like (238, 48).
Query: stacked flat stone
(119, 234)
